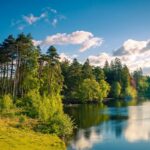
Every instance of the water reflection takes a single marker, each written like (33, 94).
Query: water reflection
(86, 142)
(120, 125)
(138, 127)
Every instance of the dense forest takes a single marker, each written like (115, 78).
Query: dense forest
(33, 84)
(83, 82)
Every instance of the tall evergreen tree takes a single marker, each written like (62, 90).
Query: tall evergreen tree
(87, 71)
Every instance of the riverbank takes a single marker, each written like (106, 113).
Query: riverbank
(25, 139)
(75, 101)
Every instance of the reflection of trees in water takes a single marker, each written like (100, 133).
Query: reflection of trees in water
(99, 122)
(87, 115)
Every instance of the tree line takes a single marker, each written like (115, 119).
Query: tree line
(84, 82)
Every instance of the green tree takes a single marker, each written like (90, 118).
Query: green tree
(74, 78)
(99, 74)
(6, 104)
(87, 71)
(90, 90)
(116, 90)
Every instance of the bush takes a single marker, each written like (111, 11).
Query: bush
(130, 92)
(31, 103)
(90, 90)
(59, 124)
(21, 121)
(49, 106)
(6, 103)
(42, 107)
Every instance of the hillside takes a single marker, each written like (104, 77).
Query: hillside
(19, 139)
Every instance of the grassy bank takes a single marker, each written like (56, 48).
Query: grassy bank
(21, 139)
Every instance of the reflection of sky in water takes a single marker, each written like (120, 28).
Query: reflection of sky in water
(127, 128)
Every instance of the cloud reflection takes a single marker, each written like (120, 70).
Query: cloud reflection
(138, 128)
(84, 142)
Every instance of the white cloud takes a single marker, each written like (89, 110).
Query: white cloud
(132, 47)
(92, 42)
(64, 57)
(99, 60)
(30, 19)
(85, 39)
(47, 15)
(135, 54)
(36, 43)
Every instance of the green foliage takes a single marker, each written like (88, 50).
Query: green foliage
(90, 90)
(6, 103)
(49, 106)
(42, 107)
(22, 119)
(60, 124)
(143, 85)
(31, 103)
(105, 88)
(19, 139)
(99, 74)
(21, 122)
(116, 90)
(130, 92)
(74, 78)
(87, 72)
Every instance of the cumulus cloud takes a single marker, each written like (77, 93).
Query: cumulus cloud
(36, 42)
(64, 57)
(92, 42)
(99, 60)
(85, 39)
(133, 53)
(132, 47)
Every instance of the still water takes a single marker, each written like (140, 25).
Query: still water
(118, 125)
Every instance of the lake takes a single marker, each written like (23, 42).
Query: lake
(119, 125)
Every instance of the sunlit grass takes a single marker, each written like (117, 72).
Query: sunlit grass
(21, 139)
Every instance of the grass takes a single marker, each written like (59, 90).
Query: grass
(24, 139)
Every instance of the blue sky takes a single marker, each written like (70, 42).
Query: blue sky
(112, 21)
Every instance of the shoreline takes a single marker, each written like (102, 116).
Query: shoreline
(75, 101)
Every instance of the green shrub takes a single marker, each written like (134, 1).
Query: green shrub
(42, 107)
(21, 122)
(59, 124)
(90, 90)
(31, 103)
(6, 103)
(130, 92)
(22, 119)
